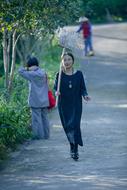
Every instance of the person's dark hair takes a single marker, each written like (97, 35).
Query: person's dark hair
(70, 54)
(32, 61)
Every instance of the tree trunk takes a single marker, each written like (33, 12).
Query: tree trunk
(13, 61)
(6, 58)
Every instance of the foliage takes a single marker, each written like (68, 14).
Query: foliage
(98, 10)
(14, 118)
(40, 14)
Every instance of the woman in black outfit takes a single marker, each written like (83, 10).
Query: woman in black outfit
(72, 89)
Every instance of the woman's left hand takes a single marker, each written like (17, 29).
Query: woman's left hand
(87, 98)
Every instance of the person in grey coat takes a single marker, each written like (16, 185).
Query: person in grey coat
(38, 97)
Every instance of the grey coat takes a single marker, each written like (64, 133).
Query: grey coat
(38, 87)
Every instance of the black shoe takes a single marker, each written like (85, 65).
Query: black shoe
(76, 156)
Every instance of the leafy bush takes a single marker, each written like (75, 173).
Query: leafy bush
(14, 122)
(14, 117)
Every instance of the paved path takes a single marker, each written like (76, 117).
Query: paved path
(46, 165)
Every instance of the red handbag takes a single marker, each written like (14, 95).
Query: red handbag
(52, 100)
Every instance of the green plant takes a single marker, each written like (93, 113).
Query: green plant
(14, 116)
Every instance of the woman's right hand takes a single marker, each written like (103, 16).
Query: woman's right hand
(57, 93)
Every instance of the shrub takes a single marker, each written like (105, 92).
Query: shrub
(14, 117)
